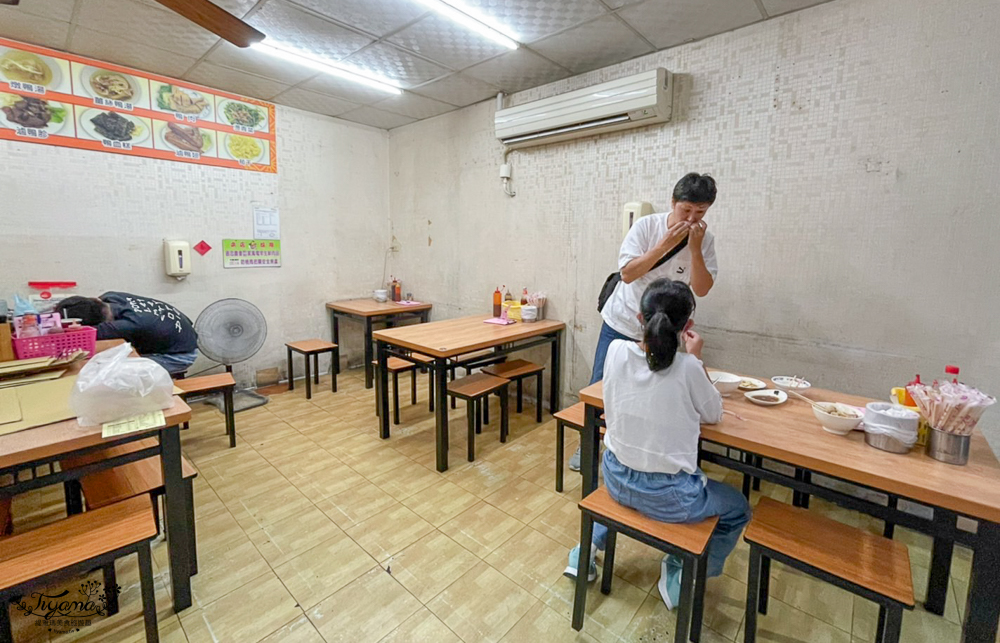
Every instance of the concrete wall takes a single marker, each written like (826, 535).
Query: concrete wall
(855, 145)
(100, 220)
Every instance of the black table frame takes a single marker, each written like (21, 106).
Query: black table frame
(982, 612)
(368, 322)
(440, 368)
(27, 478)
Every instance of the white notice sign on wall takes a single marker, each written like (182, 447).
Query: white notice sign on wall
(266, 223)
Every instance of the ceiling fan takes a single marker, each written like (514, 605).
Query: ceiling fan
(208, 15)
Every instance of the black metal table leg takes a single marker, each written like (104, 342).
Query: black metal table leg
(309, 391)
(291, 372)
(110, 588)
(765, 584)
(472, 416)
(227, 405)
(335, 369)
(937, 580)
(893, 625)
(560, 447)
(687, 597)
(336, 339)
(177, 517)
(539, 396)
(698, 609)
(889, 529)
(609, 561)
(554, 376)
(148, 593)
(983, 607)
(382, 392)
(582, 570)
(369, 376)
(753, 597)
(73, 496)
(440, 369)
(589, 448)
(504, 412)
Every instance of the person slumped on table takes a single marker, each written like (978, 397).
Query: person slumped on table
(655, 399)
(648, 241)
(155, 329)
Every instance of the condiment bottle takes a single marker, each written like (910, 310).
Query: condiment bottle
(951, 373)
(524, 297)
(497, 302)
(397, 293)
(507, 296)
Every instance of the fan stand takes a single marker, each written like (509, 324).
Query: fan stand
(242, 400)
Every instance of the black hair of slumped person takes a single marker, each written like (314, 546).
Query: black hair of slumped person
(695, 188)
(666, 307)
(89, 310)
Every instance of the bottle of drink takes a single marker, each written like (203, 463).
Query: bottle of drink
(524, 297)
(497, 302)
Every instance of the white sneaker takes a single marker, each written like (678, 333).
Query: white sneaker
(574, 560)
(669, 583)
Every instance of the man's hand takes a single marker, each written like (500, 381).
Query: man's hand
(675, 234)
(697, 235)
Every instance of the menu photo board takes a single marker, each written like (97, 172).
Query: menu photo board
(54, 98)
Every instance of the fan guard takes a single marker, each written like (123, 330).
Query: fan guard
(230, 331)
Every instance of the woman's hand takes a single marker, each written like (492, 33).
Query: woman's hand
(693, 343)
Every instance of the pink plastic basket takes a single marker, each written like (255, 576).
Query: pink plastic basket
(55, 345)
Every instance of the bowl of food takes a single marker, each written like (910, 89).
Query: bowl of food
(767, 397)
(787, 383)
(725, 383)
(837, 418)
(751, 384)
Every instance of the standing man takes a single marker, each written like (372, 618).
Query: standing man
(681, 231)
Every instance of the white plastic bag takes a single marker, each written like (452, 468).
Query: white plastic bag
(112, 387)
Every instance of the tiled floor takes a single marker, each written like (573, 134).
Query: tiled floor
(312, 529)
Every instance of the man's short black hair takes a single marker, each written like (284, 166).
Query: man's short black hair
(89, 310)
(695, 188)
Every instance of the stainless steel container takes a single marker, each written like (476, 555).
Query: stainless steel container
(948, 447)
(886, 443)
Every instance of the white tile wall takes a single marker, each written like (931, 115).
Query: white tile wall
(855, 146)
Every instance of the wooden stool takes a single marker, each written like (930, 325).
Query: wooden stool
(689, 542)
(219, 383)
(569, 418)
(137, 478)
(516, 370)
(395, 366)
(868, 565)
(427, 360)
(473, 360)
(475, 389)
(76, 545)
(312, 348)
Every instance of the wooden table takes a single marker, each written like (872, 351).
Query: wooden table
(790, 434)
(27, 460)
(449, 339)
(370, 312)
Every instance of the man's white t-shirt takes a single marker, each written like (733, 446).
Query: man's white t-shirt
(622, 307)
(654, 417)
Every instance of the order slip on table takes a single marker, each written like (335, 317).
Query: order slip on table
(789, 434)
(450, 338)
(27, 458)
(368, 313)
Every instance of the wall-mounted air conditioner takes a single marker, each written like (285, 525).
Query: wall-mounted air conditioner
(633, 101)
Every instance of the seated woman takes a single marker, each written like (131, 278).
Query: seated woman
(655, 400)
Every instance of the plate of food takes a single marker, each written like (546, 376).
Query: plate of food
(180, 100)
(767, 397)
(244, 148)
(751, 384)
(112, 85)
(26, 67)
(789, 383)
(236, 112)
(101, 124)
(28, 111)
(176, 137)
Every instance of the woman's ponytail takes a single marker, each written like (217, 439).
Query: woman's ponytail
(666, 307)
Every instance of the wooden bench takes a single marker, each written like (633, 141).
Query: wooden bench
(689, 542)
(571, 417)
(218, 383)
(141, 477)
(476, 389)
(866, 564)
(312, 348)
(76, 545)
(516, 370)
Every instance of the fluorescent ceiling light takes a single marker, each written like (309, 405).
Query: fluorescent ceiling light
(470, 18)
(327, 67)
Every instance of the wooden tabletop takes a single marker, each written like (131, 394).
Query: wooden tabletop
(68, 435)
(453, 337)
(370, 308)
(790, 433)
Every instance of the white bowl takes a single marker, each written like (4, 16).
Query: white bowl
(725, 383)
(788, 383)
(767, 397)
(836, 424)
(381, 295)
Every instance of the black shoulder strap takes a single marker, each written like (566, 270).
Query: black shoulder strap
(670, 254)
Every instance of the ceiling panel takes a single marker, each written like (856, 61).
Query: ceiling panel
(378, 17)
(778, 7)
(17, 25)
(313, 102)
(61, 10)
(285, 24)
(598, 43)
(235, 81)
(534, 19)
(447, 42)
(87, 42)
(377, 118)
(258, 62)
(414, 106)
(458, 89)
(395, 64)
(238, 8)
(517, 70)
(345, 89)
(137, 22)
(666, 23)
